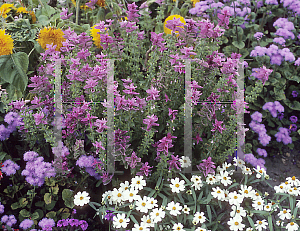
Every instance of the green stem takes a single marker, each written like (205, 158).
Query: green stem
(32, 199)
(77, 11)
(81, 182)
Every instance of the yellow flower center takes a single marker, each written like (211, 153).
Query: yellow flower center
(218, 191)
(236, 223)
(81, 198)
(131, 194)
(174, 208)
(284, 211)
(138, 182)
(246, 191)
(143, 204)
(149, 221)
(119, 194)
(235, 197)
(225, 178)
(258, 203)
(238, 211)
(176, 185)
(293, 178)
(292, 223)
(260, 222)
(121, 220)
(157, 214)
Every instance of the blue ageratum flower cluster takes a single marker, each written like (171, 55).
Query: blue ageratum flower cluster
(73, 222)
(36, 169)
(8, 220)
(9, 167)
(87, 162)
(259, 128)
(13, 120)
(283, 135)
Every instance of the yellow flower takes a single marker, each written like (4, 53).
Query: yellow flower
(96, 36)
(6, 43)
(50, 35)
(81, 7)
(101, 3)
(22, 10)
(33, 18)
(171, 17)
(5, 8)
(194, 2)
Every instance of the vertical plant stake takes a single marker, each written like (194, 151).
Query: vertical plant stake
(110, 118)
(240, 107)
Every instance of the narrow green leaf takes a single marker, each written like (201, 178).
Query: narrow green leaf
(270, 222)
(208, 212)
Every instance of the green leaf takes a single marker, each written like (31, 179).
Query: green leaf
(23, 202)
(36, 215)
(13, 70)
(68, 198)
(51, 205)
(208, 212)
(43, 20)
(47, 198)
(2, 155)
(15, 205)
(39, 204)
(65, 215)
(55, 190)
(175, 11)
(24, 213)
(109, 15)
(47, 11)
(51, 214)
(270, 223)
(251, 222)
(238, 44)
(237, 21)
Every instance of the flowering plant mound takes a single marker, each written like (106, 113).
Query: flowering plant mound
(202, 202)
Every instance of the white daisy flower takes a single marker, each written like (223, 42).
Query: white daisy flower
(225, 179)
(131, 195)
(211, 179)
(142, 205)
(120, 221)
(218, 193)
(108, 197)
(260, 225)
(246, 171)
(177, 185)
(125, 186)
(235, 223)
(186, 209)
(117, 195)
(294, 191)
(174, 208)
(235, 198)
(238, 162)
(197, 182)
(152, 202)
(280, 188)
(298, 203)
(247, 191)
(260, 172)
(292, 226)
(138, 183)
(268, 207)
(285, 214)
(185, 162)
(293, 181)
(147, 221)
(140, 227)
(157, 215)
(238, 211)
(258, 204)
(199, 217)
(81, 198)
(201, 229)
(178, 226)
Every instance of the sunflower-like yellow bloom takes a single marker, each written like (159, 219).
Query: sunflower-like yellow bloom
(194, 2)
(171, 17)
(96, 36)
(22, 10)
(101, 3)
(50, 35)
(6, 43)
(5, 8)
(33, 17)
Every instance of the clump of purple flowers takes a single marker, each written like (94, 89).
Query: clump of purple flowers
(13, 120)
(26, 224)
(9, 167)
(207, 167)
(283, 135)
(273, 107)
(250, 158)
(262, 152)
(1, 208)
(261, 73)
(72, 222)
(259, 128)
(47, 223)
(9, 220)
(294, 94)
(88, 162)
(36, 169)
(294, 119)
